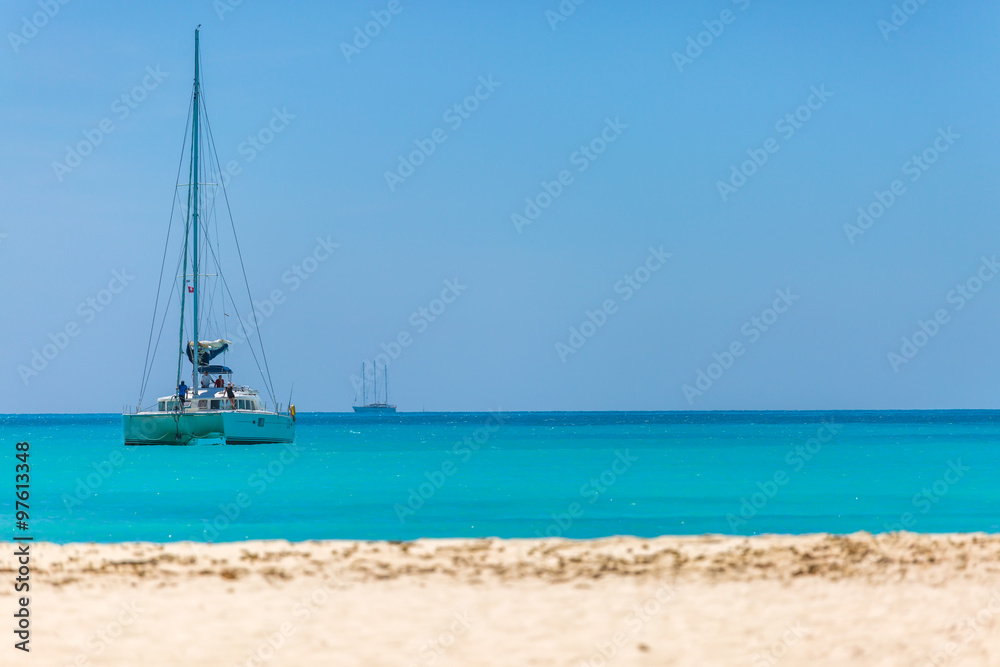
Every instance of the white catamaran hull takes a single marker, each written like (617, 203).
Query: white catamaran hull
(182, 428)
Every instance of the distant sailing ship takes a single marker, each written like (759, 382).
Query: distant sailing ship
(214, 410)
(376, 406)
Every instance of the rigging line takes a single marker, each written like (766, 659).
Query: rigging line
(206, 229)
(177, 268)
(208, 167)
(212, 294)
(239, 252)
(222, 293)
(187, 230)
(212, 214)
(219, 293)
(147, 364)
(239, 318)
(196, 280)
(225, 283)
(266, 372)
(206, 310)
(183, 286)
(163, 321)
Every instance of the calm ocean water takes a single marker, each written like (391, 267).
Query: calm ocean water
(577, 475)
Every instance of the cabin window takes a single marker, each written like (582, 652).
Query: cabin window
(215, 405)
(241, 404)
(163, 406)
(202, 404)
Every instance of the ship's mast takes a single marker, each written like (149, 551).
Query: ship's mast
(194, 215)
(364, 386)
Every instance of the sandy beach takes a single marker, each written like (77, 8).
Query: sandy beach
(897, 599)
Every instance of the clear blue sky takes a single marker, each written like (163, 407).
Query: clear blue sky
(680, 128)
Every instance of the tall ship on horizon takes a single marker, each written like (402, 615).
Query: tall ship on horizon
(214, 407)
(375, 407)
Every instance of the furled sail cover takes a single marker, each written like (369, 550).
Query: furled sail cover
(210, 349)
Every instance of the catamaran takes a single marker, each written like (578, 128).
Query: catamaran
(212, 409)
(376, 406)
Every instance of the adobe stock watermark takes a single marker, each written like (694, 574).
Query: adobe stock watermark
(295, 276)
(102, 639)
(433, 648)
(420, 320)
(793, 633)
(698, 43)
(87, 310)
(258, 481)
(637, 618)
(87, 486)
(930, 495)
(562, 12)
(454, 116)
(121, 108)
(30, 25)
(364, 34)
(255, 144)
(914, 168)
(970, 627)
(796, 459)
(436, 479)
(901, 13)
(223, 7)
(926, 330)
(591, 491)
(627, 286)
(752, 330)
(786, 126)
(301, 612)
(581, 158)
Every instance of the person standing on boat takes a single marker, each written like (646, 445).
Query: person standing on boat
(182, 391)
(219, 382)
(206, 381)
(231, 396)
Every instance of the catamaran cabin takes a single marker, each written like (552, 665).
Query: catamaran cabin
(213, 400)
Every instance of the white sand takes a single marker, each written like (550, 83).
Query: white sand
(900, 599)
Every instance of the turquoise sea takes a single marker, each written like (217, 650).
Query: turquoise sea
(576, 475)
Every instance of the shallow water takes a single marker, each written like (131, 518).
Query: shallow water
(577, 475)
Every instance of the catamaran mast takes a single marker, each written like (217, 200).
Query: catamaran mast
(364, 386)
(194, 216)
